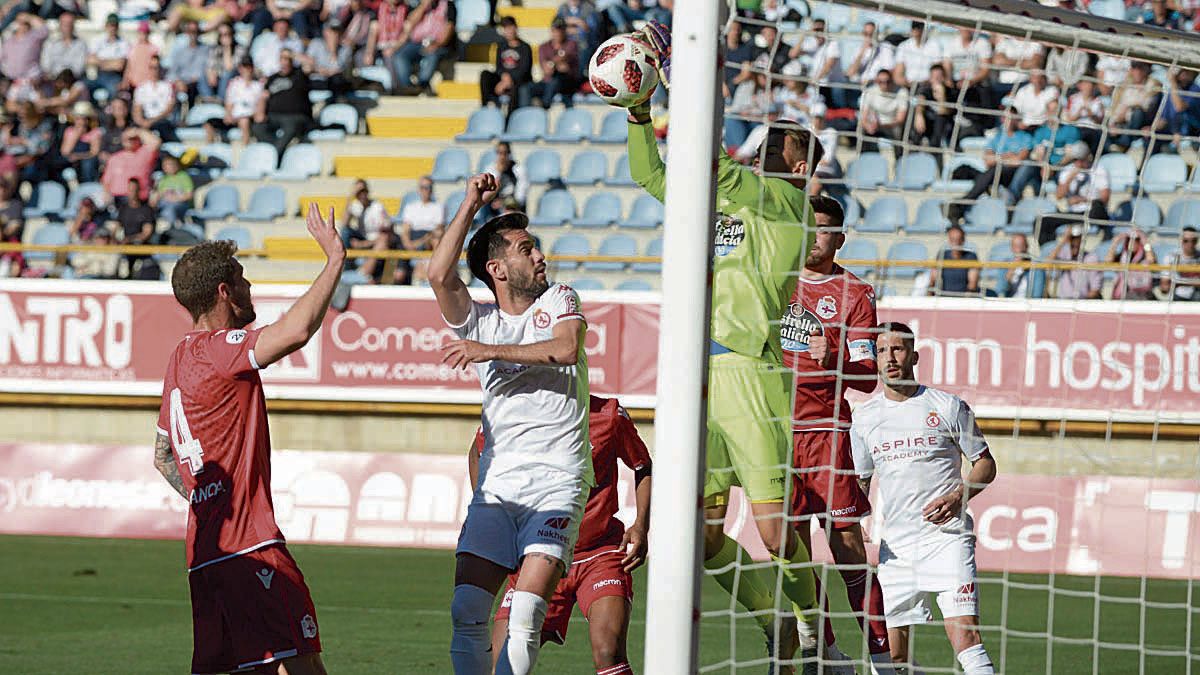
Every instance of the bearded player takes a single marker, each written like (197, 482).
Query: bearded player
(828, 339)
(251, 609)
(911, 438)
(600, 579)
(765, 226)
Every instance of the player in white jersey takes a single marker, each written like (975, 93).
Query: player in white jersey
(535, 470)
(912, 438)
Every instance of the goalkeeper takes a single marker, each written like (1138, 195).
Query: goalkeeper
(764, 228)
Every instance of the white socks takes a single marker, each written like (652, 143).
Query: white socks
(469, 646)
(975, 661)
(525, 619)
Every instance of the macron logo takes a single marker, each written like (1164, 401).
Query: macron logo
(560, 523)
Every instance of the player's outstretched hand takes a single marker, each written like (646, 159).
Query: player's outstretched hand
(634, 546)
(481, 188)
(325, 233)
(463, 353)
(659, 37)
(941, 510)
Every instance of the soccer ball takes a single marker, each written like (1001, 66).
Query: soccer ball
(623, 71)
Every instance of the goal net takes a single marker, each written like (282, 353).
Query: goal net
(1019, 185)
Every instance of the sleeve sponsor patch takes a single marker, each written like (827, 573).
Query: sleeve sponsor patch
(235, 337)
(861, 350)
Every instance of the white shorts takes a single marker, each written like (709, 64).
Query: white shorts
(909, 583)
(504, 531)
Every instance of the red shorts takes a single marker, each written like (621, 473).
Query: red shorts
(593, 575)
(250, 610)
(824, 483)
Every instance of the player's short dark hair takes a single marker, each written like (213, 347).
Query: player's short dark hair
(802, 137)
(490, 243)
(902, 329)
(830, 207)
(200, 270)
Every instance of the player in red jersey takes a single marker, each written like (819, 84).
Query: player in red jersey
(251, 610)
(606, 553)
(829, 343)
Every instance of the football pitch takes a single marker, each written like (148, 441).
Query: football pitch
(121, 606)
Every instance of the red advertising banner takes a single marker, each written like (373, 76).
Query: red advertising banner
(1087, 525)
(1045, 359)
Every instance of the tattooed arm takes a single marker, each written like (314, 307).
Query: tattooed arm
(164, 461)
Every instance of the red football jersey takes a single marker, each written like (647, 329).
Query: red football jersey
(214, 413)
(613, 437)
(842, 308)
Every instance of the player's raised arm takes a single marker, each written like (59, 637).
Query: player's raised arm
(303, 319)
(452, 295)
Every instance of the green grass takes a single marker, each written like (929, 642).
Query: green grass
(121, 606)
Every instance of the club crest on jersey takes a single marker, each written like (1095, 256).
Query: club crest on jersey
(308, 626)
(797, 326)
(541, 319)
(730, 232)
(235, 337)
(933, 420)
(827, 307)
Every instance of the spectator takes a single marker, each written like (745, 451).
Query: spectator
(172, 195)
(366, 225)
(1066, 67)
(80, 145)
(363, 32)
(583, 26)
(116, 121)
(1034, 102)
(511, 179)
(1086, 191)
(738, 57)
(752, 105)
(623, 13)
(57, 97)
(956, 280)
(826, 70)
(206, 17)
(390, 30)
(31, 140)
(1161, 17)
(1134, 104)
(87, 222)
(107, 54)
(872, 56)
(327, 61)
(141, 54)
(242, 98)
(1076, 283)
(12, 228)
(936, 106)
(970, 56)
(778, 56)
(1014, 59)
(1182, 286)
(1085, 111)
(1048, 156)
(1110, 72)
(132, 165)
(807, 47)
(1017, 279)
(20, 55)
(882, 111)
(420, 221)
(267, 48)
(1181, 107)
(513, 76)
(1132, 248)
(96, 264)
(431, 39)
(223, 62)
(303, 16)
(64, 51)
(916, 56)
(1002, 156)
(187, 62)
(154, 103)
(559, 60)
(285, 112)
(137, 221)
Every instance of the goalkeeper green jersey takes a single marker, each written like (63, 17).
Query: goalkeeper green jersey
(763, 232)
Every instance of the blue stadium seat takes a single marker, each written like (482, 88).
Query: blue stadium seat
(221, 151)
(620, 176)
(300, 162)
(600, 210)
(81, 191)
(654, 248)
(51, 234)
(586, 284)
(569, 244)
(484, 124)
(316, 96)
(340, 115)
(378, 74)
(1163, 249)
(486, 160)
(621, 245)
(587, 168)
(221, 201)
(472, 14)
(859, 249)
(49, 199)
(354, 278)
(868, 171)
(554, 208)
(408, 198)
(1000, 251)
(853, 212)
(1141, 212)
(645, 214)
(1164, 173)
(986, 215)
(543, 166)
(525, 125)
(1109, 9)
(574, 125)
(451, 165)
(173, 148)
(1122, 172)
(949, 184)
(906, 251)
(884, 215)
(451, 203)
(267, 203)
(237, 234)
(929, 219)
(1182, 212)
(915, 171)
(613, 128)
(632, 285)
(1026, 214)
(255, 162)
(192, 129)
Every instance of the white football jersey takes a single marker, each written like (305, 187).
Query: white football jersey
(535, 418)
(914, 449)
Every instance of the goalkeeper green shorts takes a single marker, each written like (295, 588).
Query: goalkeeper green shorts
(749, 428)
